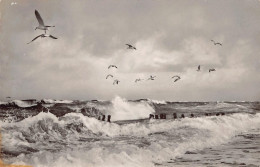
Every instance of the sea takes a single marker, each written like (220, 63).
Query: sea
(77, 133)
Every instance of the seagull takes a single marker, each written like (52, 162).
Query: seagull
(112, 66)
(130, 46)
(176, 78)
(116, 82)
(41, 23)
(216, 43)
(151, 77)
(137, 80)
(13, 3)
(198, 68)
(43, 36)
(212, 69)
(109, 75)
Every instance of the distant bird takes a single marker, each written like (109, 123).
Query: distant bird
(43, 36)
(151, 77)
(116, 82)
(41, 23)
(198, 68)
(216, 43)
(212, 69)
(13, 3)
(138, 80)
(112, 66)
(109, 75)
(176, 78)
(130, 46)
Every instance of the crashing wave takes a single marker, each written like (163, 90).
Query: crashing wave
(51, 101)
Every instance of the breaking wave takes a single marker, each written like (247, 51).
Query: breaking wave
(76, 140)
(124, 110)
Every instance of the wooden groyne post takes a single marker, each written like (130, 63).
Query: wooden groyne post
(108, 118)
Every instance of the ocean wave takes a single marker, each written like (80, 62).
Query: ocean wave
(51, 101)
(136, 144)
(122, 109)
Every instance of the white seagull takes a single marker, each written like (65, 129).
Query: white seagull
(43, 36)
(216, 43)
(198, 68)
(151, 77)
(212, 69)
(116, 82)
(176, 78)
(130, 46)
(112, 66)
(138, 80)
(41, 23)
(109, 75)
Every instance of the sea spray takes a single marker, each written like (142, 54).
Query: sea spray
(124, 110)
(98, 143)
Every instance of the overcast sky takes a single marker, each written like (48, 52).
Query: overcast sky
(172, 37)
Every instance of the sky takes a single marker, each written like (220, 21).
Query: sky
(172, 37)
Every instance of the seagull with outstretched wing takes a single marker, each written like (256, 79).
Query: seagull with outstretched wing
(138, 80)
(151, 77)
(112, 66)
(130, 46)
(43, 36)
(41, 23)
(116, 82)
(176, 78)
(109, 75)
(216, 43)
(212, 69)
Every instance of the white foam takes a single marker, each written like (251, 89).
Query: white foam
(183, 135)
(23, 103)
(57, 101)
(157, 101)
(123, 110)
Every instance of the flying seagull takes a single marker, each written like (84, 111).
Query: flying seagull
(13, 3)
(138, 80)
(112, 66)
(41, 23)
(198, 68)
(130, 46)
(216, 43)
(116, 82)
(176, 78)
(212, 69)
(43, 36)
(109, 75)
(151, 77)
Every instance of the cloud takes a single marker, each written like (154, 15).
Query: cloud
(171, 38)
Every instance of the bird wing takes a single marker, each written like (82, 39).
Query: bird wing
(213, 40)
(39, 18)
(109, 76)
(129, 45)
(109, 66)
(53, 37)
(35, 38)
